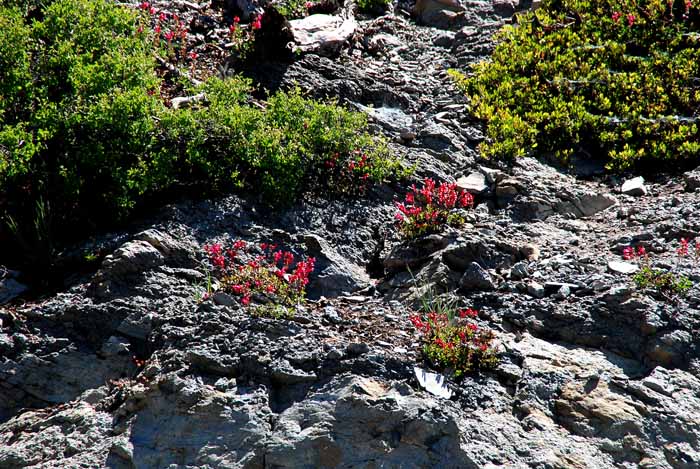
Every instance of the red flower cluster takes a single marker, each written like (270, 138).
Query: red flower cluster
(629, 252)
(428, 209)
(274, 273)
(454, 344)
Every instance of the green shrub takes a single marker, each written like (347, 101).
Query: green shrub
(593, 78)
(83, 126)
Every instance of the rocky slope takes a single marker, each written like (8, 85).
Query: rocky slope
(127, 368)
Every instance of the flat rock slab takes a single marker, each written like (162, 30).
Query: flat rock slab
(322, 34)
(475, 183)
(622, 267)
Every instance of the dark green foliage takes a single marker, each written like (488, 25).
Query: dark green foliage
(593, 78)
(83, 126)
(374, 7)
(666, 283)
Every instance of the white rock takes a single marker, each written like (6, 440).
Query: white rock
(634, 186)
(475, 183)
(622, 267)
(322, 34)
(432, 382)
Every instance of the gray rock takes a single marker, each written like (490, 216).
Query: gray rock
(634, 186)
(476, 278)
(563, 292)
(223, 298)
(10, 289)
(520, 270)
(536, 289)
(444, 39)
(438, 13)
(692, 180)
(357, 348)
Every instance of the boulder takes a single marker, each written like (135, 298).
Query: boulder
(634, 187)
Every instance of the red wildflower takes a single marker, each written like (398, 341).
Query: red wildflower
(468, 313)
(472, 327)
(616, 16)
(257, 22)
(246, 300)
(236, 19)
(630, 19)
(628, 253)
(683, 249)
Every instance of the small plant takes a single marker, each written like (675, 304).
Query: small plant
(243, 37)
(270, 280)
(664, 282)
(453, 343)
(430, 209)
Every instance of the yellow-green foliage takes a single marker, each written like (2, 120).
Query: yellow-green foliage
(602, 78)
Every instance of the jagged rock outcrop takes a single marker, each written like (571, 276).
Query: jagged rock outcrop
(129, 367)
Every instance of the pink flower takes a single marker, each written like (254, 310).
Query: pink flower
(630, 19)
(144, 5)
(163, 16)
(616, 16)
(246, 300)
(193, 55)
(628, 253)
(308, 5)
(468, 313)
(232, 28)
(257, 22)
(157, 29)
(683, 249)
(641, 252)
(169, 35)
(236, 19)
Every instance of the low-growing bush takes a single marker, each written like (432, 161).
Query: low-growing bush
(431, 208)
(83, 125)
(615, 80)
(269, 280)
